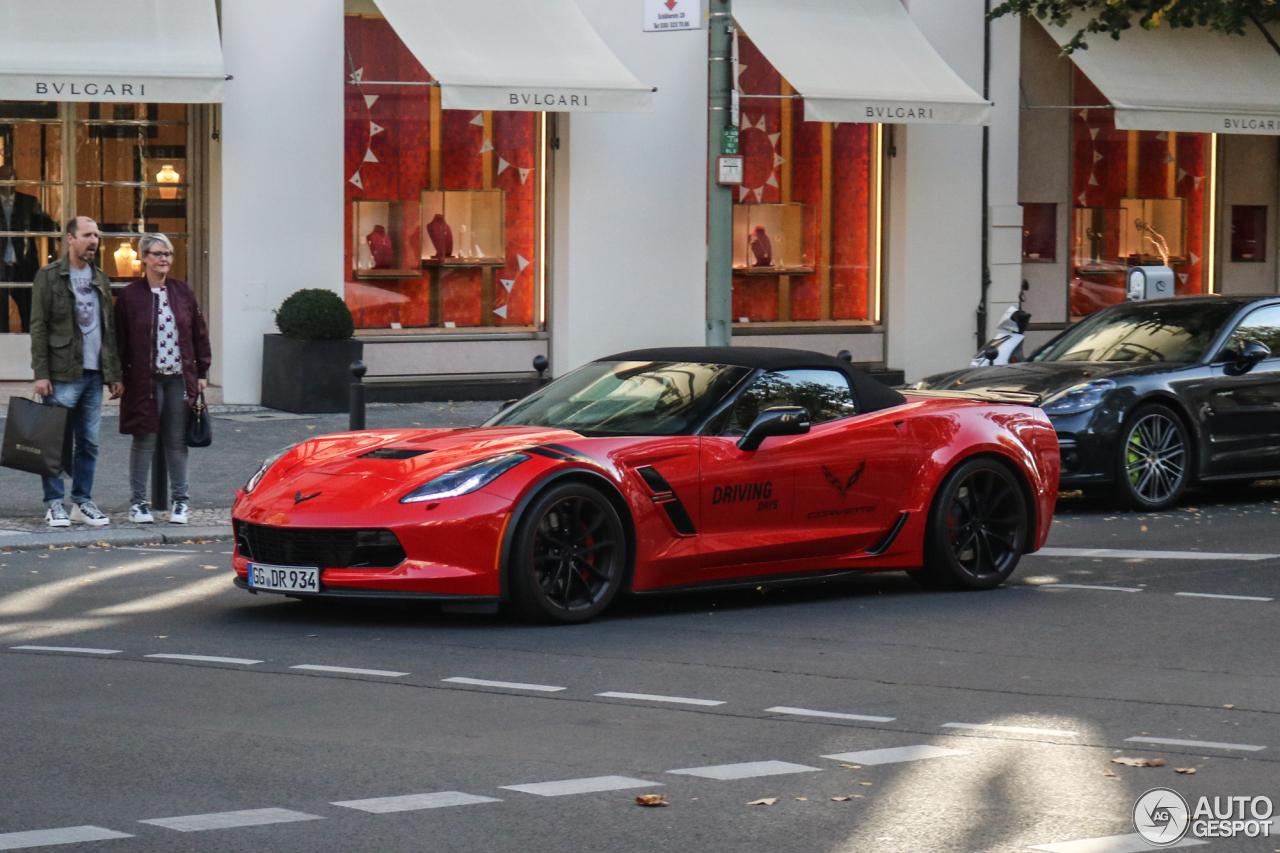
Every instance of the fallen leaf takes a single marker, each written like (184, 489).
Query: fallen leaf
(766, 801)
(840, 799)
(1139, 762)
(162, 636)
(1109, 774)
(852, 766)
(865, 784)
(1185, 771)
(102, 544)
(1228, 706)
(802, 799)
(652, 800)
(1144, 528)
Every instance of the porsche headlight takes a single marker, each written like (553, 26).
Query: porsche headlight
(468, 478)
(1078, 398)
(265, 467)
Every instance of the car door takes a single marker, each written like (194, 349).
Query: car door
(832, 491)
(1244, 409)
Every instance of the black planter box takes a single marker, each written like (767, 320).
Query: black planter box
(308, 377)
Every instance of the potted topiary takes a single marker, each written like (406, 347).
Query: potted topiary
(307, 367)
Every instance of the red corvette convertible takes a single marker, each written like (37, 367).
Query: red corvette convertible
(659, 470)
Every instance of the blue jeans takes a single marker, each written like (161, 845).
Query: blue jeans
(84, 398)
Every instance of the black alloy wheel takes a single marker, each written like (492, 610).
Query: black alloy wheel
(978, 528)
(1155, 453)
(570, 555)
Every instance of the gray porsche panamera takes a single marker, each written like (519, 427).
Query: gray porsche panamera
(1148, 398)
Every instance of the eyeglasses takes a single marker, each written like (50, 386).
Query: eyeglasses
(161, 255)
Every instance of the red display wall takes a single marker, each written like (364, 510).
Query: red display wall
(387, 145)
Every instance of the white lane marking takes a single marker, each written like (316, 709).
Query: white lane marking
(49, 837)
(349, 670)
(1149, 555)
(509, 685)
(1020, 730)
(1087, 586)
(206, 658)
(805, 712)
(581, 786)
(895, 754)
(415, 802)
(229, 820)
(1206, 744)
(159, 550)
(650, 697)
(1131, 843)
(69, 649)
(747, 770)
(1228, 597)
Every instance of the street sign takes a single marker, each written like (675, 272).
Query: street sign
(662, 16)
(729, 140)
(729, 170)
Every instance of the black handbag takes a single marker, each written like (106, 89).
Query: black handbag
(199, 424)
(37, 438)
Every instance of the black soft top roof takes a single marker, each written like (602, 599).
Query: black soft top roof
(871, 395)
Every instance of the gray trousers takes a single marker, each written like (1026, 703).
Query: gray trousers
(171, 400)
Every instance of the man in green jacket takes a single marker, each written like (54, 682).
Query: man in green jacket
(73, 354)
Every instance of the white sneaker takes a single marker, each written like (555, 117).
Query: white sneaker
(178, 515)
(56, 515)
(88, 513)
(140, 513)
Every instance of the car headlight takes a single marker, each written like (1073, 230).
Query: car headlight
(265, 467)
(1078, 398)
(468, 478)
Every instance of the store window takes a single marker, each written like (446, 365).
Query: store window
(806, 224)
(445, 217)
(124, 165)
(1140, 198)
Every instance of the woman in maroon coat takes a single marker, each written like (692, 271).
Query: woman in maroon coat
(165, 354)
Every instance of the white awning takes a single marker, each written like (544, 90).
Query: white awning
(1194, 80)
(859, 61)
(534, 55)
(152, 51)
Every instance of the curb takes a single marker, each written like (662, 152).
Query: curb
(85, 538)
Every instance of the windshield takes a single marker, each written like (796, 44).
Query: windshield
(627, 398)
(1143, 332)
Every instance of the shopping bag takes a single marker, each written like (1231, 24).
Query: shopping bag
(199, 424)
(37, 438)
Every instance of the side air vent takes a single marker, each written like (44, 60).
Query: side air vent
(393, 453)
(654, 480)
(665, 496)
(679, 518)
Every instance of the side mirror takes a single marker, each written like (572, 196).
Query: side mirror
(991, 354)
(781, 420)
(1251, 352)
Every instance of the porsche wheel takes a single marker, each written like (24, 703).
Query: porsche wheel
(1154, 459)
(977, 528)
(570, 554)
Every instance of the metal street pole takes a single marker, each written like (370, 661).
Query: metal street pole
(719, 198)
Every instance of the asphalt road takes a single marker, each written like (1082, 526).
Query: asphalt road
(1078, 655)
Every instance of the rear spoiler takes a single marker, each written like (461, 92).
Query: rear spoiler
(1016, 398)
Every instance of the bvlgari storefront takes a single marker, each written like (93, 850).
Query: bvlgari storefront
(111, 126)
(1159, 148)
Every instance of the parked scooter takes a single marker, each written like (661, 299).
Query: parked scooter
(1006, 346)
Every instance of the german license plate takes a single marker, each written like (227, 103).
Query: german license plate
(284, 578)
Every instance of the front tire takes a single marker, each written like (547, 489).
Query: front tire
(1154, 460)
(977, 528)
(570, 554)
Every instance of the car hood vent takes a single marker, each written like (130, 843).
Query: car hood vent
(393, 453)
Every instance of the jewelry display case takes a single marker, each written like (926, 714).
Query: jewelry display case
(1095, 240)
(463, 228)
(1152, 229)
(768, 239)
(384, 239)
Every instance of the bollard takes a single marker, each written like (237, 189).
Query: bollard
(160, 477)
(541, 364)
(358, 370)
(846, 355)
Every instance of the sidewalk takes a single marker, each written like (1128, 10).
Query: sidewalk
(242, 437)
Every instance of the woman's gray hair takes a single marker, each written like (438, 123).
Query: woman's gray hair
(149, 240)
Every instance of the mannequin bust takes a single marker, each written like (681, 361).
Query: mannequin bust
(441, 236)
(761, 247)
(380, 247)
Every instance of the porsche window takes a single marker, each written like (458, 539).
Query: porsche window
(1262, 326)
(627, 398)
(1137, 332)
(824, 393)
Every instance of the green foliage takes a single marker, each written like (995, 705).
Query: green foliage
(1113, 17)
(313, 314)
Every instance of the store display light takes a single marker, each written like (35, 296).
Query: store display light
(168, 175)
